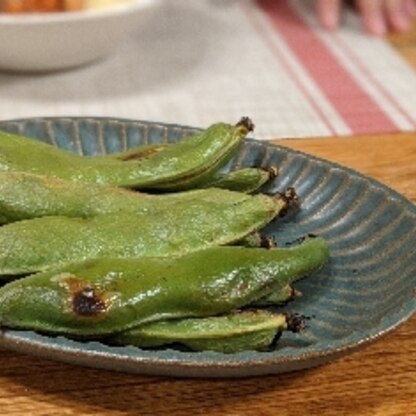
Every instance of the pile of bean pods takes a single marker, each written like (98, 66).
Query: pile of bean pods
(88, 250)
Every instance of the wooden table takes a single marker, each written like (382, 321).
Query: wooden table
(378, 380)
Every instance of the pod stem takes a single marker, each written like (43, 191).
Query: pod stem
(295, 322)
(290, 200)
(273, 171)
(246, 124)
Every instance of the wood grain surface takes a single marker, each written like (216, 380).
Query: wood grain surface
(378, 380)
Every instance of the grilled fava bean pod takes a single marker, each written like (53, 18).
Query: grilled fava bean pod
(25, 195)
(243, 180)
(229, 334)
(182, 165)
(278, 297)
(29, 246)
(101, 297)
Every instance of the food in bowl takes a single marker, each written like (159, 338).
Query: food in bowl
(30, 6)
(49, 41)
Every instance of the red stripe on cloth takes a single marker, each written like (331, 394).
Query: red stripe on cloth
(373, 80)
(354, 105)
(290, 72)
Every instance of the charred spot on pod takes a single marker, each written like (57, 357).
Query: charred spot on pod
(142, 154)
(88, 302)
(84, 300)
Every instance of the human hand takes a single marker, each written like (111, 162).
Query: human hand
(378, 16)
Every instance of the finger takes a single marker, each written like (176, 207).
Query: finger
(372, 16)
(410, 8)
(396, 15)
(328, 13)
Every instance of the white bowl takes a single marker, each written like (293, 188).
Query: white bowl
(53, 41)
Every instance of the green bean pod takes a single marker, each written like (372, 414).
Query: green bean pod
(182, 165)
(278, 297)
(101, 297)
(246, 180)
(228, 334)
(29, 246)
(25, 195)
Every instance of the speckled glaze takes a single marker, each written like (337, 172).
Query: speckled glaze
(366, 290)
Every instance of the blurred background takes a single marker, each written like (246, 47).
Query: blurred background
(199, 62)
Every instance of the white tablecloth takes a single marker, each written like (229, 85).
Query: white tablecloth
(204, 61)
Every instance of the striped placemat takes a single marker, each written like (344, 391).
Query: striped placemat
(353, 82)
(200, 62)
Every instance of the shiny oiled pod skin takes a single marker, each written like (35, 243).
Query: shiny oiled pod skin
(37, 244)
(179, 166)
(25, 196)
(245, 180)
(278, 297)
(229, 334)
(101, 297)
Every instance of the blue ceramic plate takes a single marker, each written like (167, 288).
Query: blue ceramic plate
(366, 290)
